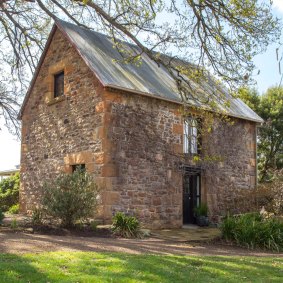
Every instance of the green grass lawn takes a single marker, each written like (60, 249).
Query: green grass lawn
(117, 267)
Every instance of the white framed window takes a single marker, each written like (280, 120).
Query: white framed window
(190, 136)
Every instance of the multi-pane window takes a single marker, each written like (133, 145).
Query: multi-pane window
(59, 84)
(191, 136)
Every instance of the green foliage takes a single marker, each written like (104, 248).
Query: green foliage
(93, 225)
(14, 209)
(254, 231)
(126, 226)
(201, 210)
(223, 35)
(2, 216)
(9, 191)
(70, 197)
(270, 136)
(14, 223)
(37, 217)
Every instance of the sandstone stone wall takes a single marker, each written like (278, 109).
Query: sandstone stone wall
(131, 143)
(145, 137)
(235, 147)
(58, 133)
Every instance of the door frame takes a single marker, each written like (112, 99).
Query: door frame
(195, 199)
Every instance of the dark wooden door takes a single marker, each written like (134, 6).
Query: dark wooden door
(191, 197)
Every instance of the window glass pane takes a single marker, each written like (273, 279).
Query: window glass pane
(186, 137)
(59, 84)
(198, 186)
(194, 143)
(78, 167)
(190, 136)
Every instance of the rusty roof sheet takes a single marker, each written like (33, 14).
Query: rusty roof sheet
(148, 78)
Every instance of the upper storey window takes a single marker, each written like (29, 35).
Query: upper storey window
(191, 136)
(59, 84)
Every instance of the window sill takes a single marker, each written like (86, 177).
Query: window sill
(56, 100)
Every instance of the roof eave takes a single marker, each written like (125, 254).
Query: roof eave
(147, 94)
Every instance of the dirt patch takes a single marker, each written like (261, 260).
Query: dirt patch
(20, 243)
(22, 223)
(86, 231)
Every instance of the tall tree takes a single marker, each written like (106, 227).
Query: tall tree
(219, 36)
(270, 136)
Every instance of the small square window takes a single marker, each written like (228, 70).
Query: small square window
(59, 84)
(76, 167)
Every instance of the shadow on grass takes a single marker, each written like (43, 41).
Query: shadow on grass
(117, 267)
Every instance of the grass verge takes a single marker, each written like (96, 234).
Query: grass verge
(116, 267)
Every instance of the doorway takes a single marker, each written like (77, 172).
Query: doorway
(191, 197)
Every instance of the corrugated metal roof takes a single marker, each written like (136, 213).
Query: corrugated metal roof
(148, 78)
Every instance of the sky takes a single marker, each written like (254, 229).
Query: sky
(269, 76)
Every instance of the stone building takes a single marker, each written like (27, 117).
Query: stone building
(123, 123)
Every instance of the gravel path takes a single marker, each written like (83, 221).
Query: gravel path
(19, 243)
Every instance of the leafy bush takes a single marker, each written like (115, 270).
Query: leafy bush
(268, 195)
(70, 197)
(253, 230)
(93, 225)
(9, 191)
(14, 209)
(201, 210)
(126, 226)
(14, 224)
(37, 217)
(1, 216)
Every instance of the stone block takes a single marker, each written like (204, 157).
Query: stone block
(113, 97)
(82, 157)
(178, 129)
(99, 133)
(252, 162)
(107, 119)
(177, 148)
(109, 170)
(110, 197)
(102, 158)
(24, 147)
(90, 167)
(105, 183)
(102, 106)
(156, 201)
(107, 146)
(67, 169)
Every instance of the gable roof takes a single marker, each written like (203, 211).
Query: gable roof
(149, 79)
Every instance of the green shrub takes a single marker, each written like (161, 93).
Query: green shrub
(14, 209)
(70, 197)
(254, 231)
(14, 224)
(93, 225)
(2, 216)
(201, 210)
(37, 217)
(9, 191)
(126, 226)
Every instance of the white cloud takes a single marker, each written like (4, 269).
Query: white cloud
(278, 5)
